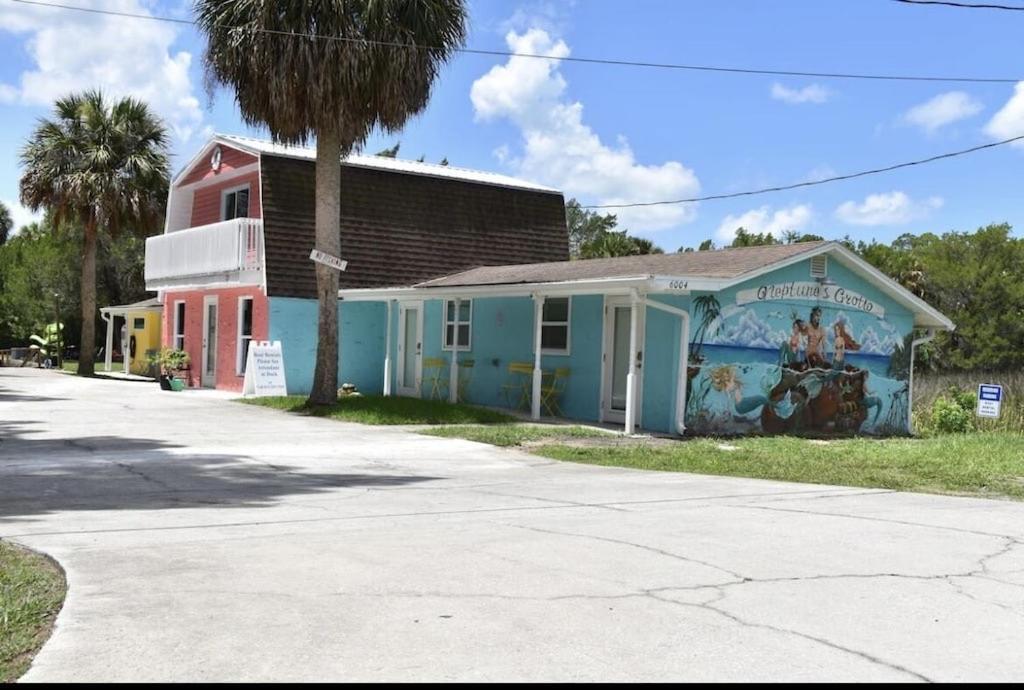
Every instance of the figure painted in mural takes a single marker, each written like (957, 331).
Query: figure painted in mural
(842, 343)
(793, 353)
(816, 337)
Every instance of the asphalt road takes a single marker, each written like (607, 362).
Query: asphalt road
(208, 540)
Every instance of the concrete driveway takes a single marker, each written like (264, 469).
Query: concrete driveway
(207, 540)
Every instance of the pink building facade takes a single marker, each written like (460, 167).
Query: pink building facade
(187, 318)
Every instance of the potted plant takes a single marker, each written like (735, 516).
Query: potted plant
(171, 364)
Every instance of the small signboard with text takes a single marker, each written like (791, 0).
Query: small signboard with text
(264, 370)
(328, 260)
(990, 400)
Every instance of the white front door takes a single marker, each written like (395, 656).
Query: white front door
(410, 348)
(209, 364)
(617, 312)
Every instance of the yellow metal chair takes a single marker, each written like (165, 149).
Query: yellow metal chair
(517, 390)
(465, 376)
(551, 390)
(435, 377)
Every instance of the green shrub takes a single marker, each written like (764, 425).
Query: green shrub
(950, 417)
(169, 359)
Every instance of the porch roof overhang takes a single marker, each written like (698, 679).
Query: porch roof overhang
(925, 316)
(152, 304)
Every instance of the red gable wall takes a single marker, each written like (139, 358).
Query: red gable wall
(230, 159)
(206, 203)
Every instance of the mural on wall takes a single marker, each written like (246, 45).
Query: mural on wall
(796, 358)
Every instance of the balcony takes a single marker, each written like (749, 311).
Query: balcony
(219, 254)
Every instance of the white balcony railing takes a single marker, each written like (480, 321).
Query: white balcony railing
(227, 252)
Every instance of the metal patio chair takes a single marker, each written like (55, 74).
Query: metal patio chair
(552, 389)
(518, 389)
(435, 378)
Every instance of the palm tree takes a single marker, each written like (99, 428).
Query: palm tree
(333, 70)
(6, 224)
(102, 165)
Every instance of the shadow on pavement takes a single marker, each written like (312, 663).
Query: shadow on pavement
(45, 475)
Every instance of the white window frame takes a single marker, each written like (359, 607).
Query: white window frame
(232, 190)
(568, 327)
(179, 325)
(239, 361)
(445, 346)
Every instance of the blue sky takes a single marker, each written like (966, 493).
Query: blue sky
(612, 134)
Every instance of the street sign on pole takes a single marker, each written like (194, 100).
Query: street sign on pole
(328, 260)
(990, 400)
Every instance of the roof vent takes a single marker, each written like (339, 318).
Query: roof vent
(819, 266)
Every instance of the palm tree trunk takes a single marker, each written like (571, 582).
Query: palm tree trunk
(328, 239)
(87, 347)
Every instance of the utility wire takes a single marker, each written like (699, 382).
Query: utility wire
(837, 178)
(969, 5)
(584, 60)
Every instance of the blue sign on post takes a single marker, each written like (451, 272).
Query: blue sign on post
(990, 400)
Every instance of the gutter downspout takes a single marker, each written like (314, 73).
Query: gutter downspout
(929, 335)
(684, 359)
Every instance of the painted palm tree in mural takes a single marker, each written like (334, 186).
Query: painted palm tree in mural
(332, 70)
(709, 309)
(102, 165)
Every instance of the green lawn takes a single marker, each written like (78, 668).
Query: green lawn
(373, 409)
(506, 435)
(976, 464)
(31, 593)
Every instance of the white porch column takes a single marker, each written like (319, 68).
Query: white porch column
(387, 354)
(634, 309)
(453, 375)
(126, 346)
(108, 356)
(538, 374)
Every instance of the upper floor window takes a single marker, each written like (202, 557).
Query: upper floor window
(235, 203)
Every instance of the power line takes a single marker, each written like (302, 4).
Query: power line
(837, 178)
(583, 60)
(969, 5)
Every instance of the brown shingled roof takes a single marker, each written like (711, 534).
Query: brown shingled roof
(400, 229)
(720, 263)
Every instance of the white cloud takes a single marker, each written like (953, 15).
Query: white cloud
(20, 216)
(892, 208)
(944, 109)
(1009, 121)
(813, 93)
(72, 51)
(562, 151)
(820, 172)
(764, 220)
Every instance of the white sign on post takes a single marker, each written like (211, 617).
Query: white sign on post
(328, 260)
(264, 370)
(990, 400)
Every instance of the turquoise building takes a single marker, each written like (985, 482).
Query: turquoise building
(802, 339)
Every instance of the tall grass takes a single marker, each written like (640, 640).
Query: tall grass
(930, 386)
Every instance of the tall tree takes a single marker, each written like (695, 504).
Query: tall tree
(104, 166)
(331, 70)
(585, 226)
(6, 224)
